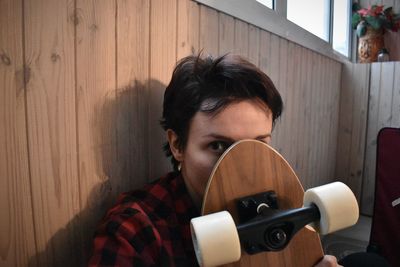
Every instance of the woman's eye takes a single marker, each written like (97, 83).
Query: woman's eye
(219, 147)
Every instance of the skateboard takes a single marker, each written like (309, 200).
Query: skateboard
(256, 213)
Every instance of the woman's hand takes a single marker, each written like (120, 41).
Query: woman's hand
(328, 261)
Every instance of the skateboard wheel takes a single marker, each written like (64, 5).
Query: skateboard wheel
(215, 239)
(337, 205)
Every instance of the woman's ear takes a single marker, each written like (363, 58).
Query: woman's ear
(176, 150)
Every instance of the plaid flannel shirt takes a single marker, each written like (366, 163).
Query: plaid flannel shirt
(148, 227)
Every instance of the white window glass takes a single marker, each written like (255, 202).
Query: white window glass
(312, 15)
(267, 3)
(341, 26)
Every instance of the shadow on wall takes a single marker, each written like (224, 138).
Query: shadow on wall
(119, 143)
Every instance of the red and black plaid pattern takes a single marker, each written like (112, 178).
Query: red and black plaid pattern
(148, 227)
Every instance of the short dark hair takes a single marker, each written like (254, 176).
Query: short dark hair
(222, 80)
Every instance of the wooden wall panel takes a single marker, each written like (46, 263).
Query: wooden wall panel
(163, 37)
(188, 28)
(383, 111)
(310, 126)
(17, 234)
(51, 109)
(265, 52)
(241, 39)
(96, 114)
(369, 101)
(294, 137)
(371, 132)
(226, 34)
(132, 83)
(95, 76)
(272, 69)
(301, 157)
(254, 44)
(209, 31)
(352, 125)
(335, 117)
(280, 66)
(396, 97)
(288, 98)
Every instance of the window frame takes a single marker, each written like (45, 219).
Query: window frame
(275, 21)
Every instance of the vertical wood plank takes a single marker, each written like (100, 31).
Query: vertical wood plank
(303, 117)
(317, 120)
(274, 60)
(100, 178)
(367, 199)
(385, 95)
(209, 30)
(273, 73)
(328, 97)
(132, 83)
(396, 97)
(300, 99)
(289, 101)
(241, 39)
(321, 119)
(17, 235)
(163, 19)
(345, 114)
(307, 116)
(359, 113)
(338, 81)
(49, 50)
(226, 33)
(294, 115)
(265, 52)
(254, 44)
(333, 116)
(279, 131)
(188, 28)
(312, 130)
(320, 159)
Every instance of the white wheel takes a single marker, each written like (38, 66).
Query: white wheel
(215, 239)
(337, 205)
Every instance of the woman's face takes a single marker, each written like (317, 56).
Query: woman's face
(210, 135)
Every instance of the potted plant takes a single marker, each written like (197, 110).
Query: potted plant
(370, 24)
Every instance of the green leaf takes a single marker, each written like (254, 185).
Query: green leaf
(375, 22)
(356, 7)
(361, 29)
(355, 19)
(388, 10)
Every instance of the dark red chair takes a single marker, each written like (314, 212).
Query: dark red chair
(385, 231)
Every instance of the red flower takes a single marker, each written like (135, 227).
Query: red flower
(373, 11)
(363, 12)
(377, 10)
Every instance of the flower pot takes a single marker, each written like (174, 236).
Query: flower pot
(369, 45)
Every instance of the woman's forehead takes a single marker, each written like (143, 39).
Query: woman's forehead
(238, 120)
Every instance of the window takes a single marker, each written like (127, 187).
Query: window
(341, 26)
(267, 3)
(313, 16)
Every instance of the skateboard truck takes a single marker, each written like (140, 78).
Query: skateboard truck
(263, 227)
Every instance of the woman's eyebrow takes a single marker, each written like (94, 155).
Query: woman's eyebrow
(222, 137)
(263, 136)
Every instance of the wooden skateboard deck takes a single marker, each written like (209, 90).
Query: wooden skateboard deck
(250, 167)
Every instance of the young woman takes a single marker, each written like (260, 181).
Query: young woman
(208, 105)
